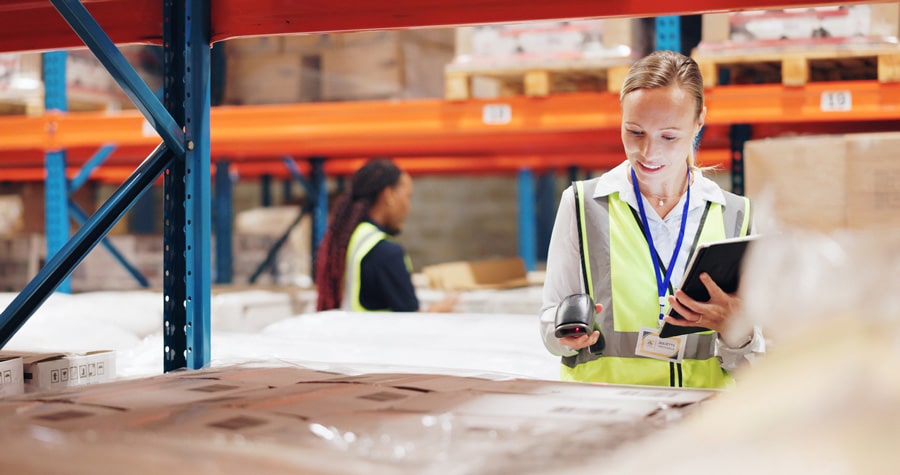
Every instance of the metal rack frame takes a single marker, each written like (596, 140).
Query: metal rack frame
(187, 27)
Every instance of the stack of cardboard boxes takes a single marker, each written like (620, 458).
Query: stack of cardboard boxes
(337, 67)
(28, 372)
(827, 182)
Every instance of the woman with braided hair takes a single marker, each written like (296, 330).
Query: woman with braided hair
(360, 267)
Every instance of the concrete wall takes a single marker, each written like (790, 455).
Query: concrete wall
(461, 218)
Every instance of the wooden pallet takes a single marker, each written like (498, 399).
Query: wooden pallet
(32, 102)
(538, 78)
(16, 103)
(796, 66)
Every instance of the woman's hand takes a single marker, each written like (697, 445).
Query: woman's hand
(582, 341)
(445, 305)
(713, 314)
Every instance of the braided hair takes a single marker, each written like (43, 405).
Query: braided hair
(349, 210)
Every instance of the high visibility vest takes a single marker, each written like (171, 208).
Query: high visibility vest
(622, 278)
(364, 238)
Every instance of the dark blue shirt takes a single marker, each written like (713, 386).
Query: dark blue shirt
(385, 283)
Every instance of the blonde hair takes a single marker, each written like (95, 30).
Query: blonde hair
(663, 69)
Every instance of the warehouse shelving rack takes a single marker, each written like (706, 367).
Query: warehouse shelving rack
(581, 127)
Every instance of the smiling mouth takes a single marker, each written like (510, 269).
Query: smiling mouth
(650, 167)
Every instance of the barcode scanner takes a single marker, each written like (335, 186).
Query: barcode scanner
(576, 315)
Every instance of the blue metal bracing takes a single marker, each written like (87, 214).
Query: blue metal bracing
(269, 261)
(299, 178)
(287, 192)
(78, 17)
(81, 217)
(56, 216)
(64, 262)
(224, 210)
(668, 33)
(187, 219)
(318, 199)
(92, 164)
(527, 227)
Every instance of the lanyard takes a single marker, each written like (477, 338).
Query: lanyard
(662, 283)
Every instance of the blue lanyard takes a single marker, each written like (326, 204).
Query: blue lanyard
(662, 284)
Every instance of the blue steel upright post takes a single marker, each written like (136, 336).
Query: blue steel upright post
(320, 197)
(224, 201)
(187, 216)
(56, 189)
(527, 219)
(668, 33)
(547, 203)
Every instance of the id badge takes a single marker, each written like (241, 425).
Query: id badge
(649, 344)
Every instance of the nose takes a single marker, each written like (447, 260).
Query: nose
(649, 147)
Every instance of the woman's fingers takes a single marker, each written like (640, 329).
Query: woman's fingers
(579, 342)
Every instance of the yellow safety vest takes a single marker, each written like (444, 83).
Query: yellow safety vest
(622, 278)
(364, 238)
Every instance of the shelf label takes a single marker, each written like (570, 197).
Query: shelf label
(496, 114)
(836, 101)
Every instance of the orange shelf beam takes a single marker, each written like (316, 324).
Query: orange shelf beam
(814, 102)
(567, 123)
(35, 24)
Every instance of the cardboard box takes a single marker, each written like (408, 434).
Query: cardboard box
(386, 64)
(484, 274)
(11, 209)
(270, 78)
(826, 183)
(369, 67)
(43, 371)
(12, 381)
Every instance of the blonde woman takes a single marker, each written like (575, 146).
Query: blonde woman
(625, 239)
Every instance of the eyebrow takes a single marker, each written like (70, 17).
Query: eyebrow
(664, 128)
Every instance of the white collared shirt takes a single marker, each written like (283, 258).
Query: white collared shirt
(663, 231)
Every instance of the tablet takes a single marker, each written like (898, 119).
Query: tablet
(722, 261)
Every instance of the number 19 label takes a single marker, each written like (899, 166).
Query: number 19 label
(496, 114)
(837, 101)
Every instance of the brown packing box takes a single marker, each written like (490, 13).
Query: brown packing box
(270, 78)
(827, 182)
(44, 371)
(485, 274)
(11, 377)
(366, 66)
(873, 180)
(386, 64)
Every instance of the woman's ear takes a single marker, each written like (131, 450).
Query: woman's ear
(386, 196)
